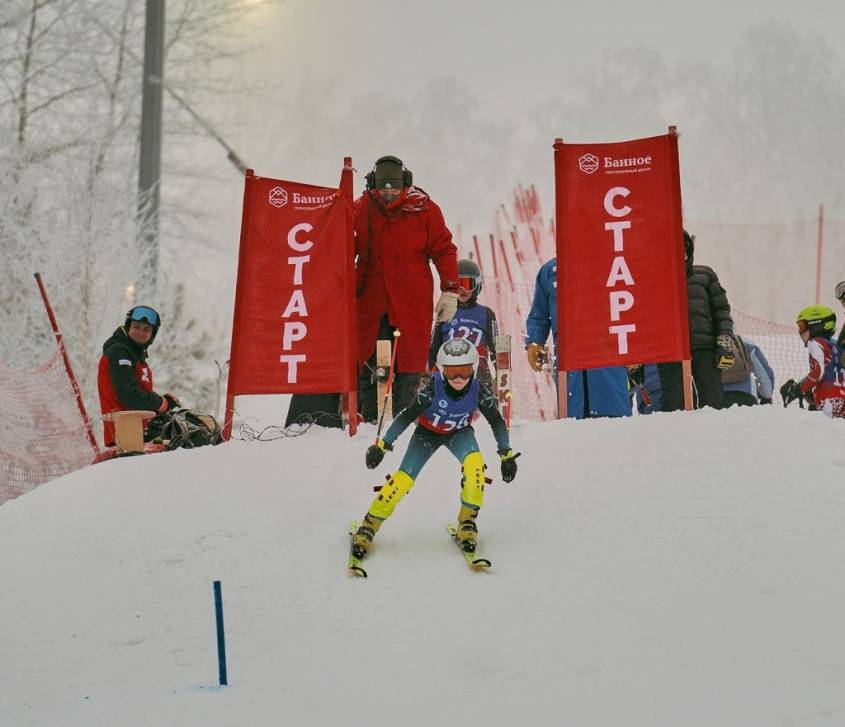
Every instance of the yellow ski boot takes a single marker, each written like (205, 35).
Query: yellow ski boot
(467, 529)
(363, 538)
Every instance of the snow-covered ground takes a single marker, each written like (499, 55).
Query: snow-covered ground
(680, 570)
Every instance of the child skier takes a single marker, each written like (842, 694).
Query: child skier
(826, 380)
(475, 322)
(444, 410)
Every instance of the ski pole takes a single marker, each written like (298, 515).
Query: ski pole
(396, 335)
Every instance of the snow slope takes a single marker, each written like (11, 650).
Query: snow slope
(680, 569)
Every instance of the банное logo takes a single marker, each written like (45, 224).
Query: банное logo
(588, 163)
(278, 197)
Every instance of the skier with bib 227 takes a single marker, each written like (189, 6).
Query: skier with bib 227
(444, 409)
(473, 321)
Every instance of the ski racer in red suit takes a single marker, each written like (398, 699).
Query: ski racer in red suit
(124, 379)
(399, 231)
(825, 382)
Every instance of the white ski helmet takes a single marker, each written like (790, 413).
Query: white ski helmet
(458, 352)
(840, 291)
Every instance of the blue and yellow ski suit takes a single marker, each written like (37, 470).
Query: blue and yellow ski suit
(444, 419)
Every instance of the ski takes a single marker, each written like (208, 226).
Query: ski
(474, 560)
(355, 567)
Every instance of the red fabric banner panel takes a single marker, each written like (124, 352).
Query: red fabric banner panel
(621, 284)
(293, 305)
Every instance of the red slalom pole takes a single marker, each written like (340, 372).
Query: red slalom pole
(396, 335)
(89, 430)
(819, 242)
(477, 253)
(493, 255)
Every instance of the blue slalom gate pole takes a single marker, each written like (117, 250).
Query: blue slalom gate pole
(221, 637)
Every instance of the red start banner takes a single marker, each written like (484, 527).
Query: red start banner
(294, 321)
(620, 254)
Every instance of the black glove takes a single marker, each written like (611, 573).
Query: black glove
(790, 391)
(764, 400)
(375, 453)
(508, 464)
(725, 355)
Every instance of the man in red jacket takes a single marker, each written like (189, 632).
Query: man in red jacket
(399, 231)
(124, 379)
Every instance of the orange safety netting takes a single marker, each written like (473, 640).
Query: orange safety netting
(42, 433)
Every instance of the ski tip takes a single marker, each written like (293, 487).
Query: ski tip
(481, 563)
(358, 571)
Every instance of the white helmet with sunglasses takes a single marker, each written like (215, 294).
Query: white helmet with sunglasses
(456, 357)
(840, 291)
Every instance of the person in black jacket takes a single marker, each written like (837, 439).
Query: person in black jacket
(711, 344)
(124, 378)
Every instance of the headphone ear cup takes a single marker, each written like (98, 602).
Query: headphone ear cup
(370, 179)
(407, 177)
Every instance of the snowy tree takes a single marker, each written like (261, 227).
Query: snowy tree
(70, 73)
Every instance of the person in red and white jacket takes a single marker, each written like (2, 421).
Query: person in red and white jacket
(826, 380)
(124, 378)
(399, 233)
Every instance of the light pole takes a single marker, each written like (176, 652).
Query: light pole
(149, 170)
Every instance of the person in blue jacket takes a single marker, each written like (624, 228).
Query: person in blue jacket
(592, 393)
(749, 392)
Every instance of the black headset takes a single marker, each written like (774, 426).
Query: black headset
(407, 174)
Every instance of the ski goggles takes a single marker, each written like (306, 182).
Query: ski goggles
(469, 282)
(144, 313)
(464, 371)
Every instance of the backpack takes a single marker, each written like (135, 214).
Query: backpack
(183, 428)
(741, 368)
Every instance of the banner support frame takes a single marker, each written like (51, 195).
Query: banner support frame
(349, 399)
(686, 367)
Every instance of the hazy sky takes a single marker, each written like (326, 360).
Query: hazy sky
(511, 57)
(510, 52)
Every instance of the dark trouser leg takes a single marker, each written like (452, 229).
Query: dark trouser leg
(321, 409)
(404, 386)
(367, 396)
(367, 385)
(708, 379)
(671, 386)
(586, 385)
(741, 398)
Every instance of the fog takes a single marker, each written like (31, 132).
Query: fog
(471, 95)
